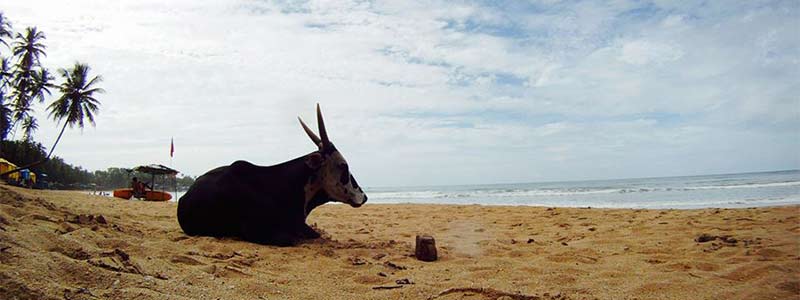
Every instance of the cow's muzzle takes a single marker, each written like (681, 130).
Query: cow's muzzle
(353, 202)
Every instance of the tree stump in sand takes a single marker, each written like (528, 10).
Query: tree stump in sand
(426, 248)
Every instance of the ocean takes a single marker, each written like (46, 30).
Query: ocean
(686, 192)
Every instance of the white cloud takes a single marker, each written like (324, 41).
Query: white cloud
(643, 52)
(434, 92)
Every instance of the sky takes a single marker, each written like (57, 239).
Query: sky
(434, 92)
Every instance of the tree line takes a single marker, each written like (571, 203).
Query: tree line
(61, 175)
(24, 82)
(114, 178)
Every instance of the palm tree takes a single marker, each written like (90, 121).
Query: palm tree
(5, 29)
(28, 49)
(5, 112)
(41, 84)
(41, 87)
(29, 125)
(5, 72)
(5, 118)
(77, 102)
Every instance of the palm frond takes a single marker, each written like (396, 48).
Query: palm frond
(5, 29)
(28, 48)
(42, 84)
(5, 73)
(76, 105)
(29, 126)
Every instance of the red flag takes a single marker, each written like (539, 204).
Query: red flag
(171, 147)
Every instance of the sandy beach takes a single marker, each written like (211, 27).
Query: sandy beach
(70, 245)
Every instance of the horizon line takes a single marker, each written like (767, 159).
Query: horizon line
(585, 180)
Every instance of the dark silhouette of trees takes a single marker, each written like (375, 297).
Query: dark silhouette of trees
(29, 79)
(5, 76)
(59, 174)
(5, 29)
(29, 125)
(5, 111)
(114, 178)
(24, 81)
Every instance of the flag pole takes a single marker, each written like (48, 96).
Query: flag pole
(171, 154)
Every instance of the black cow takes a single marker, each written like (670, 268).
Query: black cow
(269, 205)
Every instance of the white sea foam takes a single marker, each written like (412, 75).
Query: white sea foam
(485, 193)
(746, 185)
(544, 192)
(736, 190)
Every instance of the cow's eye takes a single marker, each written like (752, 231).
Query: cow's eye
(344, 178)
(344, 175)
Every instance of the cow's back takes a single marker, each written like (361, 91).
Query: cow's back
(210, 207)
(260, 204)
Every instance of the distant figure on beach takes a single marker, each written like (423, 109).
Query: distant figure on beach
(139, 188)
(26, 180)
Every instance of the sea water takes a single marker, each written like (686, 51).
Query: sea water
(725, 191)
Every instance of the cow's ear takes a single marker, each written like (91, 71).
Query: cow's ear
(314, 160)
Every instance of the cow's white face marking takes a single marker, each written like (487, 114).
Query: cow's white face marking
(338, 183)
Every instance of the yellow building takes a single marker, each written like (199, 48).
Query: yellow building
(8, 166)
(14, 178)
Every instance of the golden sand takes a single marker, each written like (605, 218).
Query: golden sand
(56, 245)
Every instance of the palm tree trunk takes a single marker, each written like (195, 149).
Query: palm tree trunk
(13, 130)
(57, 139)
(31, 165)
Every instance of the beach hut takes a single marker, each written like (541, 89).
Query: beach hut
(6, 166)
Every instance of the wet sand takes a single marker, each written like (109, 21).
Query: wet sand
(70, 245)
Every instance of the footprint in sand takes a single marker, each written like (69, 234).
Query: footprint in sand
(561, 279)
(653, 288)
(704, 266)
(767, 254)
(182, 259)
(750, 273)
(792, 287)
(77, 253)
(180, 238)
(370, 279)
(230, 271)
(570, 257)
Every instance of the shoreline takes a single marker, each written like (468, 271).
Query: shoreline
(781, 204)
(137, 250)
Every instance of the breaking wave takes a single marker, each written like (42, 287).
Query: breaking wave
(438, 194)
(735, 190)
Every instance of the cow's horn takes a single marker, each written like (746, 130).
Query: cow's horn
(310, 133)
(322, 132)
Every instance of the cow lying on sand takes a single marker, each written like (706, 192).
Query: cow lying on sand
(269, 205)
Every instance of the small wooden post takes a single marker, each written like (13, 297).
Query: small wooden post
(426, 248)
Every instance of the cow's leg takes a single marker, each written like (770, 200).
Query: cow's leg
(307, 232)
(268, 235)
(302, 229)
(282, 239)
